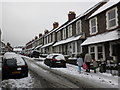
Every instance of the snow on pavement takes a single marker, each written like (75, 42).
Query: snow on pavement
(104, 78)
(18, 83)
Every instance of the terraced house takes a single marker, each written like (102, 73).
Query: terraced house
(71, 34)
(96, 32)
(103, 35)
(68, 37)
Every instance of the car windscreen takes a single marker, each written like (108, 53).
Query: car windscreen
(11, 62)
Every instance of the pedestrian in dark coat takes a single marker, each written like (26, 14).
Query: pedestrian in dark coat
(95, 65)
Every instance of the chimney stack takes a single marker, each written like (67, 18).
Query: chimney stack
(71, 15)
(55, 25)
(36, 37)
(40, 35)
(46, 31)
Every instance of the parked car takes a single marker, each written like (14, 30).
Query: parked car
(43, 55)
(34, 53)
(13, 66)
(55, 60)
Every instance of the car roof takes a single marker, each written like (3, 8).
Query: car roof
(10, 55)
(59, 56)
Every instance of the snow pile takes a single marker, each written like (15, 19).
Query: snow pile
(23, 83)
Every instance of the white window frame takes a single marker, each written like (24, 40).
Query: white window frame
(53, 36)
(69, 30)
(91, 33)
(64, 33)
(114, 57)
(116, 18)
(78, 27)
(58, 35)
(49, 38)
(74, 47)
(96, 51)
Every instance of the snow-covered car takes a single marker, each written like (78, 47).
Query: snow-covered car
(13, 65)
(55, 60)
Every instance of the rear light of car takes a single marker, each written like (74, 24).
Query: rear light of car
(54, 60)
(25, 66)
(5, 67)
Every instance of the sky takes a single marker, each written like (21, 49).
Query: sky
(22, 20)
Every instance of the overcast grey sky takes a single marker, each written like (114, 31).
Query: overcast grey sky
(22, 21)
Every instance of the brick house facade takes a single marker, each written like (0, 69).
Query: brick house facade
(103, 39)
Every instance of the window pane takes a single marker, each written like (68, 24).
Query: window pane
(111, 14)
(99, 48)
(93, 22)
(73, 46)
(92, 49)
(93, 55)
(78, 46)
(93, 29)
(112, 23)
(100, 56)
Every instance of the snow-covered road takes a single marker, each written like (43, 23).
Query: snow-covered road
(99, 80)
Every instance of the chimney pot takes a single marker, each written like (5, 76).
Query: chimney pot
(40, 35)
(46, 31)
(55, 25)
(36, 37)
(71, 15)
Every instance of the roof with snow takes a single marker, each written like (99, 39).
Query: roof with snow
(108, 36)
(68, 40)
(105, 7)
(46, 45)
(38, 46)
(78, 17)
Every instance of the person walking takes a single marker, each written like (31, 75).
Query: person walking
(95, 65)
(88, 60)
(79, 62)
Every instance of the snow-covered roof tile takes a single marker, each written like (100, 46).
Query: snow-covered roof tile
(46, 45)
(38, 46)
(108, 36)
(67, 40)
(105, 7)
